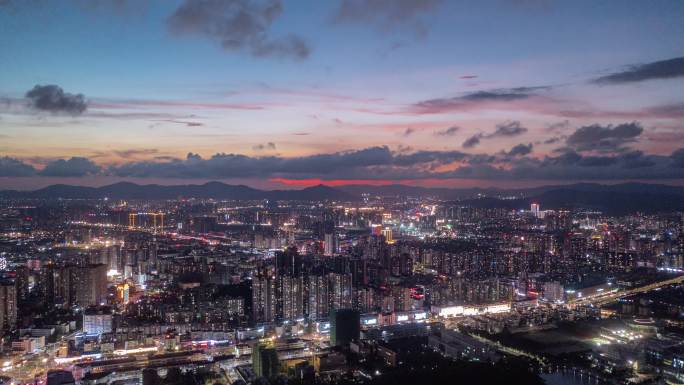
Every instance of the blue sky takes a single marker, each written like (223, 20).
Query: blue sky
(159, 85)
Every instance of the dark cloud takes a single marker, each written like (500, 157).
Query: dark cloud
(73, 167)
(469, 100)
(238, 25)
(266, 146)
(604, 138)
(472, 141)
(52, 98)
(553, 140)
(451, 131)
(11, 167)
(387, 15)
(597, 161)
(636, 159)
(663, 69)
(678, 158)
(381, 163)
(236, 165)
(558, 126)
(495, 95)
(507, 129)
(520, 150)
(135, 152)
(423, 157)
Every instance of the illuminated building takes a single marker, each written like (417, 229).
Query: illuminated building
(97, 320)
(341, 291)
(387, 234)
(153, 220)
(330, 241)
(263, 299)
(318, 306)
(123, 293)
(534, 208)
(289, 297)
(8, 305)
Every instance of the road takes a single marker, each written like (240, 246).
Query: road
(613, 296)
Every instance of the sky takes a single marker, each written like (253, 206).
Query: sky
(287, 94)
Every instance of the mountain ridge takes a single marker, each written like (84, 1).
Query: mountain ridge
(617, 198)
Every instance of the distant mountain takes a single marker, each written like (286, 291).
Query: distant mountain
(216, 190)
(615, 199)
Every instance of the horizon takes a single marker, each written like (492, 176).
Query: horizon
(180, 183)
(341, 92)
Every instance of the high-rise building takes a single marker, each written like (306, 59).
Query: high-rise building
(330, 244)
(318, 306)
(289, 297)
(64, 285)
(265, 361)
(23, 277)
(534, 208)
(47, 283)
(341, 291)
(344, 326)
(263, 299)
(91, 285)
(8, 305)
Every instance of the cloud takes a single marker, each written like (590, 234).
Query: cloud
(558, 126)
(429, 157)
(451, 131)
(520, 150)
(554, 140)
(604, 138)
(636, 159)
(472, 141)
(131, 153)
(236, 165)
(11, 167)
(238, 25)
(507, 129)
(663, 69)
(387, 15)
(678, 158)
(183, 122)
(475, 99)
(408, 132)
(380, 163)
(52, 98)
(262, 147)
(73, 167)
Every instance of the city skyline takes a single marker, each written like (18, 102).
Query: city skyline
(292, 94)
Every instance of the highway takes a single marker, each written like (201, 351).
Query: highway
(605, 298)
